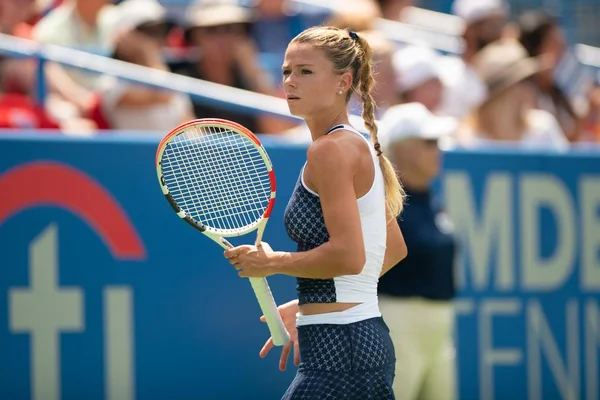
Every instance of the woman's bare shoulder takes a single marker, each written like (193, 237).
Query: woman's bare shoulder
(338, 147)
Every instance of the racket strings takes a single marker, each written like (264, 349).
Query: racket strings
(226, 187)
(228, 201)
(247, 190)
(252, 158)
(238, 198)
(217, 176)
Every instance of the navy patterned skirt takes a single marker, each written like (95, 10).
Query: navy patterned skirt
(344, 362)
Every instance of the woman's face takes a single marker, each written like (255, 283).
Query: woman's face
(310, 82)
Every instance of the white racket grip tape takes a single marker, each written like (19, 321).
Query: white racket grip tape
(267, 304)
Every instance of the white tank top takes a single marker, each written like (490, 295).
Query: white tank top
(361, 288)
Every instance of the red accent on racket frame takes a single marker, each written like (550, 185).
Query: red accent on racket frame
(271, 200)
(219, 121)
(231, 124)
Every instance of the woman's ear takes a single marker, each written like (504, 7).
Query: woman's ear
(345, 82)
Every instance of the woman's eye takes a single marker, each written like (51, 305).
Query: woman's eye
(285, 72)
(306, 72)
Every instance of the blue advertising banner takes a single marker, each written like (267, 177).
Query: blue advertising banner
(106, 294)
(529, 311)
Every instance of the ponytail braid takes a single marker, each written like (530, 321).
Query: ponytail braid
(394, 192)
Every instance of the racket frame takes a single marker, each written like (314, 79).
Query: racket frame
(260, 286)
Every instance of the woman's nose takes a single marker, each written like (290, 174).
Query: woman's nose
(289, 81)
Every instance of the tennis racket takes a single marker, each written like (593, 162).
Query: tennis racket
(218, 178)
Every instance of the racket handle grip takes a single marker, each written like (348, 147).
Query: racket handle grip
(269, 309)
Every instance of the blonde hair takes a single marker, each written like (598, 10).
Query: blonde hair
(350, 52)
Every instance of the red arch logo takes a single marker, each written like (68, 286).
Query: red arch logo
(51, 183)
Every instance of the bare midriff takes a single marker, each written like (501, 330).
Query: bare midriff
(322, 308)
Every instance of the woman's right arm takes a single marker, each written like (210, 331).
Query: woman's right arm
(344, 252)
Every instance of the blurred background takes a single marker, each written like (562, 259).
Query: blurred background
(105, 294)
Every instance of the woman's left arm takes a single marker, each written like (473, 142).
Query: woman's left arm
(344, 252)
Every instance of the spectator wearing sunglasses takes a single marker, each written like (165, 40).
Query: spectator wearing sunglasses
(228, 56)
(415, 296)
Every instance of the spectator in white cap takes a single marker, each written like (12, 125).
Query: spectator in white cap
(138, 37)
(415, 296)
(418, 76)
(484, 21)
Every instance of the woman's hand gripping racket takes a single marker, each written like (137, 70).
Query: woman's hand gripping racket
(218, 178)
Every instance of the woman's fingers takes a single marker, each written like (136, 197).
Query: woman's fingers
(237, 251)
(266, 348)
(296, 354)
(285, 354)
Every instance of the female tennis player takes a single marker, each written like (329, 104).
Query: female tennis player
(337, 216)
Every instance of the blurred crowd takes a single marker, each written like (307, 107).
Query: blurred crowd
(516, 79)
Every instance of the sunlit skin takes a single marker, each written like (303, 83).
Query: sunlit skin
(319, 95)
(312, 89)
(340, 169)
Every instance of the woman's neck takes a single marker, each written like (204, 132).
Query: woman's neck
(320, 124)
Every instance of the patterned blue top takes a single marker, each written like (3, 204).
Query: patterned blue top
(305, 225)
